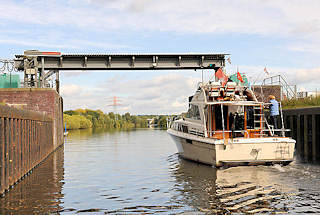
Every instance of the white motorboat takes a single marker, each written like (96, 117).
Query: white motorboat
(226, 126)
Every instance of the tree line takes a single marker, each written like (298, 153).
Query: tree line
(86, 118)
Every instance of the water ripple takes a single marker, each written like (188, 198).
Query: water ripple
(139, 172)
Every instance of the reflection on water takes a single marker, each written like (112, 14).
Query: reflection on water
(40, 192)
(139, 172)
(248, 189)
(194, 183)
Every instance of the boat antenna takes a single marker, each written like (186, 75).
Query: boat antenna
(258, 77)
(202, 76)
(210, 78)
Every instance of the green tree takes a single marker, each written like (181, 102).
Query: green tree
(162, 122)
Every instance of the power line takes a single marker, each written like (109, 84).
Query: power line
(115, 102)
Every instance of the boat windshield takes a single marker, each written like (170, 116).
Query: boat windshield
(193, 112)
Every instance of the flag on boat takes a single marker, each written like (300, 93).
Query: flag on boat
(229, 60)
(234, 78)
(266, 71)
(239, 77)
(221, 76)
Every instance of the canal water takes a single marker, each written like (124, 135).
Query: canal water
(139, 172)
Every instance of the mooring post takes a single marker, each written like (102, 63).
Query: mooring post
(291, 126)
(314, 138)
(305, 133)
(11, 150)
(2, 143)
(6, 151)
(299, 147)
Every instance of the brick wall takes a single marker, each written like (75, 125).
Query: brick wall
(266, 91)
(38, 99)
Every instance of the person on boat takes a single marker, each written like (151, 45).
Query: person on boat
(234, 111)
(274, 111)
(221, 95)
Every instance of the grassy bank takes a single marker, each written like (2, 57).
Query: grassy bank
(301, 103)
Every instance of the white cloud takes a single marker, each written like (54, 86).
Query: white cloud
(285, 19)
(58, 24)
(308, 78)
(70, 90)
(34, 43)
(178, 104)
(75, 44)
(165, 93)
(212, 16)
(312, 46)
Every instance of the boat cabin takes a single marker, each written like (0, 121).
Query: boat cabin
(224, 112)
(234, 119)
(232, 111)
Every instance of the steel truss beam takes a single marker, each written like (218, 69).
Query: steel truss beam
(57, 61)
(35, 63)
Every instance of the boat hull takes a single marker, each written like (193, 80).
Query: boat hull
(240, 151)
(195, 150)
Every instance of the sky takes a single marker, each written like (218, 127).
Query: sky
(281, 35)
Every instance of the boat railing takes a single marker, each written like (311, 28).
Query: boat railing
(272, 132)
(171, 119)
(211, 133)
(282, 123)
(196, 132)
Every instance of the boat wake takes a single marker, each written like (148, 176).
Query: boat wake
(279, 168)
(248, 197)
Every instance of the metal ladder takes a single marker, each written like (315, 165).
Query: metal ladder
(259, 119)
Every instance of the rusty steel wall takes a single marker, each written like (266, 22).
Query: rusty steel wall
(26, 138)
(304, 124)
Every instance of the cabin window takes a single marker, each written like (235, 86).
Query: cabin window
(184, 128)
(239, 122)
(193, 112)
(250, 117)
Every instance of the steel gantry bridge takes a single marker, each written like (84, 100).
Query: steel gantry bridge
(38, 66)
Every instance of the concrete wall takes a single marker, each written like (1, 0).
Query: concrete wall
(305, 129)
(38, 99)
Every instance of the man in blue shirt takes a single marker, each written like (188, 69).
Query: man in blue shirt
(274, 111)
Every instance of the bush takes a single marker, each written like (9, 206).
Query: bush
(76, 122)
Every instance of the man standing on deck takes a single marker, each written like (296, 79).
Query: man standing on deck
(274, 111)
